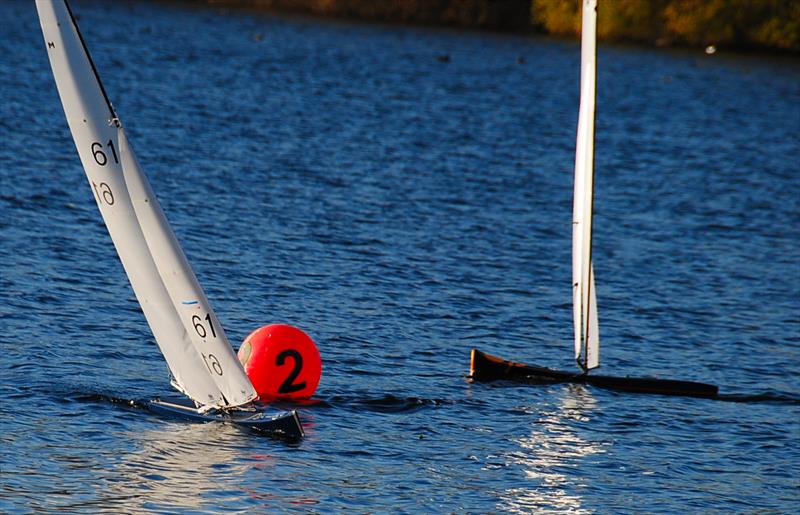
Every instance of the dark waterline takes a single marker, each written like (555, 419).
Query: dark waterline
(402, 208)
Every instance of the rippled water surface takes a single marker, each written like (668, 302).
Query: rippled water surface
(403, 207)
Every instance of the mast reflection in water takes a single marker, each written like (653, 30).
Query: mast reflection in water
(554, 447)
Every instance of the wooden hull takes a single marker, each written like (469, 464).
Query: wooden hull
(282, 424)
(486, 368)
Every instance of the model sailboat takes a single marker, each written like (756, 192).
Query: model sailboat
(201, 361)
(584, 299)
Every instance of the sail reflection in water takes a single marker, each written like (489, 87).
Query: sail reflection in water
(192, 467)
(553, 445)
(178, 466)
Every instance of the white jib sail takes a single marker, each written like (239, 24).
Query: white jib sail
(187, 331)
(587, 337)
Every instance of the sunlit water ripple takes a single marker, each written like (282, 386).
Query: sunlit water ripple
(402, 208)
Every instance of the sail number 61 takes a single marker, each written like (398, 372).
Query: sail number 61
(200, 327)
(100, 157)
(212, 363)
(103, 193)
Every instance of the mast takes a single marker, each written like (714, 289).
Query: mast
(586, 327)
(112, 112)
(185, 327)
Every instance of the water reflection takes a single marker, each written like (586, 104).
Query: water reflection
(550, 455)
(190, 466)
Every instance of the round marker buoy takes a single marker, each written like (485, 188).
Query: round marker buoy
(282, 362)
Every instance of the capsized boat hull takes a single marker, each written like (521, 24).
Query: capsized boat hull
(283, 424)
(486, 368)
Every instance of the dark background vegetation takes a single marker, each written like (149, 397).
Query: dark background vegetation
(738, 24)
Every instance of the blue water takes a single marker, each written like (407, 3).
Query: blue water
(402, 208)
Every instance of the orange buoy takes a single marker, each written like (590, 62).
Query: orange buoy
(282, 362)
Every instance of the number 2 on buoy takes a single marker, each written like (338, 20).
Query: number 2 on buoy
(288, 385)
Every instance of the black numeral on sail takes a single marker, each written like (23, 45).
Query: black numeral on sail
(288, 385)
(100, 157)
(200, 328)
(213, 364)
(103, 192)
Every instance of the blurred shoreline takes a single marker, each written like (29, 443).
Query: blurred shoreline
(742, 25)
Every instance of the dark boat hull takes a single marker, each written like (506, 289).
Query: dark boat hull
(485, 368)
(283, 424)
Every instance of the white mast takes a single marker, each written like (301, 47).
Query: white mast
(587, 337)
(186, 329)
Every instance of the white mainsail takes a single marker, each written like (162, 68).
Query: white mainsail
(199, 356)
(584, 302)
